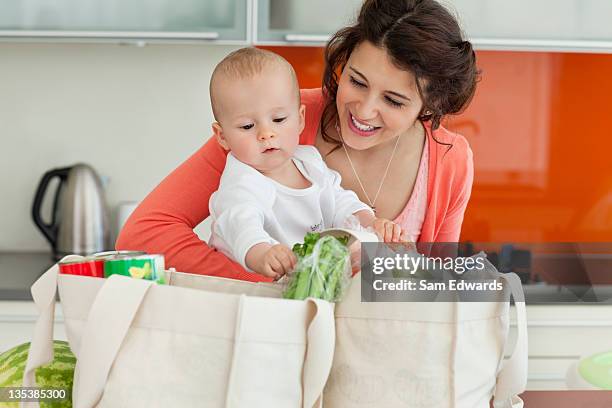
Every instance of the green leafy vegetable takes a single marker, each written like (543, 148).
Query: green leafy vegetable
(302, 250)
(323, 262)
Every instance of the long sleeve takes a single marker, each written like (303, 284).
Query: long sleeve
(450, 229)
(238, 210)
(163, 222)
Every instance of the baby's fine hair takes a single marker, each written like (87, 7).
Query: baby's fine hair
(246, 63)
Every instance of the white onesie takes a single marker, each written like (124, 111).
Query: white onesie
(250, 208)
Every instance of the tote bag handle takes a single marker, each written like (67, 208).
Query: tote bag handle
(41, 347)
(94, 367)
(108, 322)
(512, 378)
(320, 343)
(111, 328)
(114, 309)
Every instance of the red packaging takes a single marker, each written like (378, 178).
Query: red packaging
(86, 267)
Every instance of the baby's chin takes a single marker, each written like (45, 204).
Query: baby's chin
(273, 161)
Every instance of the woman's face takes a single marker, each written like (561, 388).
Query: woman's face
(376, 100)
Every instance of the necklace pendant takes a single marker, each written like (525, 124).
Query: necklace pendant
(373, 209)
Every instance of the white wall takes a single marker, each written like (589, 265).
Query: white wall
(133, 113)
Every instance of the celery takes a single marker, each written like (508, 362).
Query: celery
(322, 263)
(303, 284)
(334, 280)
(290, 291)
(317, 285)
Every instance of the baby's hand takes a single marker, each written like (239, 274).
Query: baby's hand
(387, 230)
(277, 261)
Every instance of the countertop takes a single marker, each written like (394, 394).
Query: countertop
(567, 399)
(19, 270)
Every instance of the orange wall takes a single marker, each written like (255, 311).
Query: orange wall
(542, 139)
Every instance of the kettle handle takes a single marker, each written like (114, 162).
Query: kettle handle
(48, 230)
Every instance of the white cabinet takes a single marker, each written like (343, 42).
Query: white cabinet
(550, 25)
(150, 20)
(17, 320)
(302, 22)
(560, 335)
(543, 25)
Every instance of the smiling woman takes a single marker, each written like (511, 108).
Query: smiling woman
(376, 101)
(389, 80)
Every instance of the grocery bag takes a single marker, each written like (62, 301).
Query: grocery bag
(428, 354)
(140, 344)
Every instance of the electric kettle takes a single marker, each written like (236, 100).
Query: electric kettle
(79, 218)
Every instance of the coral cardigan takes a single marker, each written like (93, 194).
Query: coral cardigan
(164, 220)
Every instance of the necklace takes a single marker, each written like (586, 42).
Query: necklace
(382, 180)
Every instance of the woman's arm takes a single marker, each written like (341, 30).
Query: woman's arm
(450, 230)
(163, 222)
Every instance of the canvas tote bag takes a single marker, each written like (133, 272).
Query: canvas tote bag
(139, 344)
(427, 354)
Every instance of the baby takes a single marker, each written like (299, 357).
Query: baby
(272, 191)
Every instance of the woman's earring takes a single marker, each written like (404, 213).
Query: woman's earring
(428, 112)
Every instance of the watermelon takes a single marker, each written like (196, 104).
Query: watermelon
(57, 374)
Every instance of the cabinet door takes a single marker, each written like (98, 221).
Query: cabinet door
(301, 21)
(17, 322)
(581, 25)
(559, 336)
(18, 332)
(125, 19)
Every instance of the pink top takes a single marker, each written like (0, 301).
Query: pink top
(413, 215)
(165, 219)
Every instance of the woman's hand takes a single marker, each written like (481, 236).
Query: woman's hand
(387, 230)
(355, 256)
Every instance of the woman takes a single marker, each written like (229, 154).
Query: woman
(389, 80)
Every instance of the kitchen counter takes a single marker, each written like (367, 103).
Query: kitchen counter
(567, 399)
(546, 294)
(562, 326)
(19, 270)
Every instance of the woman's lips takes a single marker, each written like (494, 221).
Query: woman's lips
(360, 132)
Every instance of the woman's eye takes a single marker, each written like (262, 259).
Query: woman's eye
(356, 82)
(393, 102)
(279, 120)
(247, 127)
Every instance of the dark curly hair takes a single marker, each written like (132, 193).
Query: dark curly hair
(420, 36)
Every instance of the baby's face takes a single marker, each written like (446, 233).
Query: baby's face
(260, 118)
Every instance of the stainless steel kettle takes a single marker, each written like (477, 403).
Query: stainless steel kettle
(79, 219)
